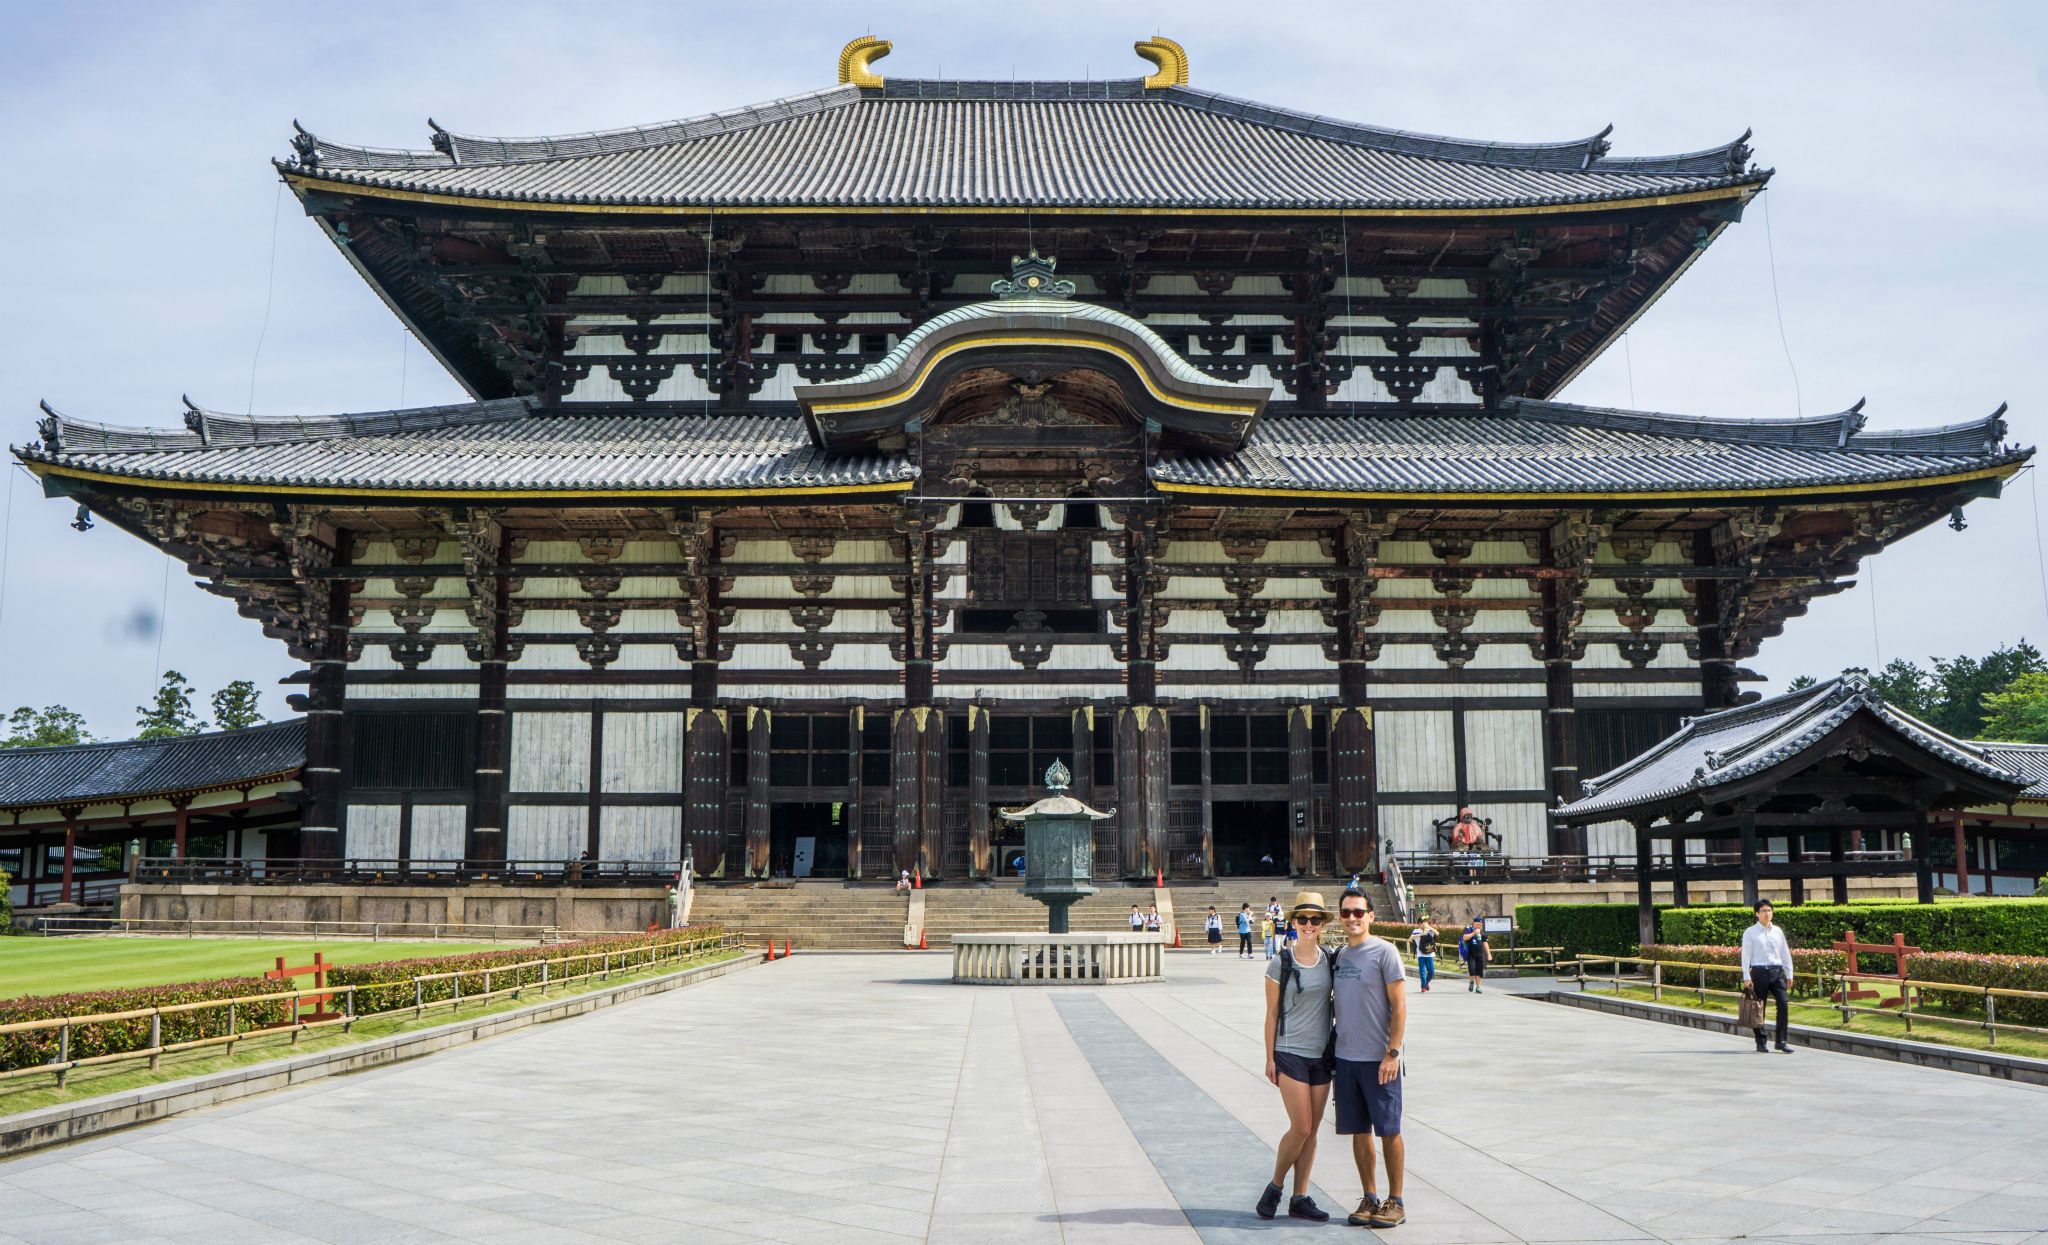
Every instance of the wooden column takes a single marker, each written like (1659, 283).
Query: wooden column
(1923, 859)
(1836, 855)
(1083, 760)
(1301, 831)
(482, 543)
(1718, 686)
(1793, 854)
(1141, 649)
(1747, 812)
(183, 804)
(1646, 907)
(70, 816)
(1680, 892)
(917, 784)
(1141, 777)
(593, 828)
(978, 851)
(1569, 544)
(758, 864)
(1208, 799)
(1962, 857)
(856, 721)
(707, 772)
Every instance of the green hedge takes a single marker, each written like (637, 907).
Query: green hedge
(1581, 928)
(19, 1050)
(2007, 972)
(387, 984)
(1986, 927)
(1813, 972)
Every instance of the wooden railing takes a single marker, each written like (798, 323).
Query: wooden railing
(1837, 992)
(411, 993)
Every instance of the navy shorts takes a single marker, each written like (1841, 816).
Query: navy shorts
(1363, 1104)
(1308, 1070)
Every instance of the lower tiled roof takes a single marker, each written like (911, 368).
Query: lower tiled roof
(131, 769)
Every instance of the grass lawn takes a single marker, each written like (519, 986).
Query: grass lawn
(31, 1092)
(1951, 1031)
(35, 965)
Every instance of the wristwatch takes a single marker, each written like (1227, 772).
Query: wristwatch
(1393, 1052)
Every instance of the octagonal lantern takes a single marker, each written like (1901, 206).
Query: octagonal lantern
(1059, 848)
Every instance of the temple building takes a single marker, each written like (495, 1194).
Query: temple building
(835, 464)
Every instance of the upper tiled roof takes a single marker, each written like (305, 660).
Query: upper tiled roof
(2028, 760)
(503, 446)
(1721, 749)
(86, 773)
(1011, 144)
(1555, 447)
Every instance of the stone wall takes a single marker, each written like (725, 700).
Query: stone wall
(611, 910)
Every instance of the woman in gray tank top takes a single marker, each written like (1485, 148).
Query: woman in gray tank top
(1299, 1059)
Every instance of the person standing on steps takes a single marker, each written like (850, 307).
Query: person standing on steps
(1767, 970)
(1244, 931)
(1299, 1055)
(1213, 926)
(1473, 950)
(1370, 1005)
(1423, 940)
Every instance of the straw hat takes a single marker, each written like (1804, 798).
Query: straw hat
(1310, 900)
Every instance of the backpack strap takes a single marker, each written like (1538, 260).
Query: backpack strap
(1288, 972)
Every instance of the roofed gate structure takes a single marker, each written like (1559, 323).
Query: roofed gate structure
(836, 464)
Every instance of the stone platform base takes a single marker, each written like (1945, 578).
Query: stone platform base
(401, 911)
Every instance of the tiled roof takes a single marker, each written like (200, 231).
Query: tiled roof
(971, 144)
(1720, 749)
(502, 446)
(1545, 447)
(2028, 760)
(82, 773)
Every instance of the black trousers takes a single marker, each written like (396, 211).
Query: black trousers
(1767, 981)
(1244, 944)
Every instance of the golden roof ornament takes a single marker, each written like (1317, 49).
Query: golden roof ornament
(1169, 62)
(856, 57)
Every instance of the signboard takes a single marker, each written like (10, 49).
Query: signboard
(1500, 924)
(806, 855)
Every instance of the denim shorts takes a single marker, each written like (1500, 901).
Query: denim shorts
(1363, 1104)
(1309, 1070)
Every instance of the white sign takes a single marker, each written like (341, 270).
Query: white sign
(806, 854)
(1500, 925)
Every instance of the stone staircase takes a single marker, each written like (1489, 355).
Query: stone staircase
(830, 915)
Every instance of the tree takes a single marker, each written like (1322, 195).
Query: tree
(1801, 683)
(1951, 696)
(2020, 712)
(44, 728)
(235, 706)
(170, 714)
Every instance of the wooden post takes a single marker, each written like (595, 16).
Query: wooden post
(70, 847)
(183, 804)
(758, 864)
(1962, 857)
(1837, 857)
(1208, 797)
(1646, 908)
(1794, 855)
(1301, 831)
(1680, 892)
(856, 723)
(1747, 812)
(978, 848)
(1923, 860)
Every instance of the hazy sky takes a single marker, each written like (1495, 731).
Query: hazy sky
(149, 252)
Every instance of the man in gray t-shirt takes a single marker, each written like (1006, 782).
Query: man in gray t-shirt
(1372, 1017)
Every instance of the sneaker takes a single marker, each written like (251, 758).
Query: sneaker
(1391, 1214)
(1269, 1201)
(1368, 1206)
(1302, 1206)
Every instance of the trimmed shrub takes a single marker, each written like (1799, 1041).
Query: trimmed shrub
(18, 1050)
(386, 985)
(2005, 972)
(1988, 927)
(1582, 928)
(1813, 972)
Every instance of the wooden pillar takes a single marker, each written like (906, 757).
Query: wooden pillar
(1836, 855)
(70, 847)
(1680, 894)
(856, 723)
(707, 771)
(1923, 858)
(917, 783)
(183, 804)
(482, 541)
(1141, 777)
(1962, 857)
(1560, 601)
(978, 850)
(1646, 907)
(1208, 799)
(1351, 781)
(593, 825)
(1083, 760)
(1718, 686)
(1301, 832)
(759, 844)
(1747, 813)
(1141, 649)
(320, 810)
(1794, 855)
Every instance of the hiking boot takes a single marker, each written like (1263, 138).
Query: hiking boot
(1302, 1206)
(1368, 1206)
(1391, 1214)
(1269, 1201)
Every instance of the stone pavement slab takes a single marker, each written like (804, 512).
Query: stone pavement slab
(865, 1099)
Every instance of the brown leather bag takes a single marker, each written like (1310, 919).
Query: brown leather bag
(1751, 1014)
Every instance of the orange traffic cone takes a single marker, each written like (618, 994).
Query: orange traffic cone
(1159, 879)
(921, 946)
(917, 877)
(1176, 936)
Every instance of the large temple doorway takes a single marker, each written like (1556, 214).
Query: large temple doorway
(807, 840)
(1251, 838)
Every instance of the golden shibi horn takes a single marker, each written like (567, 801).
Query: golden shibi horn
(1169, 61)
(856, 56)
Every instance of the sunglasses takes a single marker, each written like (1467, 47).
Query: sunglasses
(1354, 913)
(1306, 919)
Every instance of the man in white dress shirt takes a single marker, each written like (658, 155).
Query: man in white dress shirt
(1767, 969)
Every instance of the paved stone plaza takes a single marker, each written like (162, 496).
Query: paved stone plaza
(863, 1099)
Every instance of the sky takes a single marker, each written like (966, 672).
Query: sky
(1898, 255)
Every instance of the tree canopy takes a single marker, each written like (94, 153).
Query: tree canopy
(169, 714)
(2020, 712)
(1954, 694)
(48, 727)
(235, 706)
